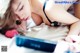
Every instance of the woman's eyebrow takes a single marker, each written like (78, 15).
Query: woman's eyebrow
(18, 6)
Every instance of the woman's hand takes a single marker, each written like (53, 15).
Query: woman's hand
(22, 27)
(73, 39)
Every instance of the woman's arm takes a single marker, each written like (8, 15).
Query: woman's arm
(58, 13)
(74, 33)
(75, 28)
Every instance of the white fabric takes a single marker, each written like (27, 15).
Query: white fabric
(3, 6)
(44, 32)
(12, 48)
(30, 23)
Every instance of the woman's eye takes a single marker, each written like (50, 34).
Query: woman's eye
(21, 8)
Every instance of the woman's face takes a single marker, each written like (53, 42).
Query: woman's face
(22, 9)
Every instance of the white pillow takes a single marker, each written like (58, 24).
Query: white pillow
(3, 6)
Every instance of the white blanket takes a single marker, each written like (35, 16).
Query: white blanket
(43, 32)
(46, 32)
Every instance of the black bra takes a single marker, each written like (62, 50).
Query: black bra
(55, 23)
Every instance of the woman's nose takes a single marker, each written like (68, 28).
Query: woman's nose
(21, 15)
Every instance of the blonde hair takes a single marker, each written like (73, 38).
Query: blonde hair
(9, 17)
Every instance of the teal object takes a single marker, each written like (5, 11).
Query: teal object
(35, 43)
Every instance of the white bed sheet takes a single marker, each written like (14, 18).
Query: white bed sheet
(44, 32)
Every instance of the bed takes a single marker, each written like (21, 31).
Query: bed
(43, 32)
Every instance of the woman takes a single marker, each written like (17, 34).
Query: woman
(74, 33)
(20, 12)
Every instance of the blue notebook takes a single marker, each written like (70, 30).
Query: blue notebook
(35, 43)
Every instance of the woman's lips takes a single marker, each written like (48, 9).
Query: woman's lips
(24, 19)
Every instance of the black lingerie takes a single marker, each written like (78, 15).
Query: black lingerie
(55, 23)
